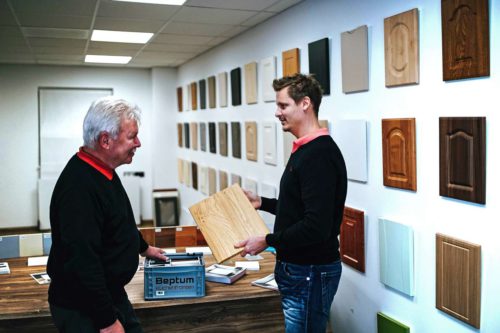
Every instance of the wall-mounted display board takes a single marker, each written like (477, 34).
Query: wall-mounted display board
(180, 171)
(203, 137)
(187, 105)
(466, 39)
(268, 68)
(288, 139)
(235, 179)
(222, 79)
(179, 99)
(386, 324)
(186, 135)
(352, 238)
(179, 135)
(251, 82)
(350, 136)
(251, 140)
(203, 179)
(222, 180)
(462, 158)
(399, 153)
(236, 86)
(354, 54)
(211, 138)
(236, 139)
(269, 139)
(291, 62)
(223, 139)
(401, 49)
(194, 96)
(225, 218)
(30, 245)
(396, 256)
(203, 94)
(194, 135)
(212, 181)
(211, 92)
(194, 175)
(319, 63)
(458, 279)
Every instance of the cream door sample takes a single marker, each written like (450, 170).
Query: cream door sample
(30, 245)
(251, 185)
(354, 51)
(194, 135)
(222, 79)
(251, 82)
(268, 68)
(288, 139)
(203, 180)
(222, 180)
(350, 136)
(251, 140)
(212, 185)
(269, 140)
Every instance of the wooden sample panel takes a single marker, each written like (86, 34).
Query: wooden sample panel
(186, 135)
(9, 247)
(179, 99)
(236, 86)
(386, 324)
(401, 49)
(203, 137)
(225, 218)
(165, 237)
(251, 185)
(180, 171)
(148, 234)
(211, 92)
(399, 152)
(222, 78)
(352, 238)
(185, 236)
(462, 158)
(251, 82)
(396, 256)
(212, 182)
(203, 180)
(223, 139)
(458, 279)
(187, 106)
(194, 96)
(235, 179)
(466, 39)
(236, 139)
(222, 180)
(194, 135)
(291, 63)
(319, 63)
(30, 245)
(251, 140)
(268, 67)
(211, 138)
(354, 53)
(194, 175)
(350, 136)
(203, 94)
(269, 139)
(179, 134)
(187, 173)
(288, 139)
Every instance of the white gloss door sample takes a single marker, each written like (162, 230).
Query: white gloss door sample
(269, 142)
(350, 136)
(268, 67)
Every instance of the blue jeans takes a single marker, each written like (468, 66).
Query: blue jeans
(307, 293)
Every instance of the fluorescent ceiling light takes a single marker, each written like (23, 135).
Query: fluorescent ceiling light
(107, 59)
(121, 36)
(158, 2)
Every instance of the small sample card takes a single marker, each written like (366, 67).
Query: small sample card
(250, 265)
(41, 278)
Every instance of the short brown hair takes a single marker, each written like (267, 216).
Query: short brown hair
(300, 86)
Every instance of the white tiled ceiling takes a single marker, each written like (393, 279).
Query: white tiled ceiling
(59, 31)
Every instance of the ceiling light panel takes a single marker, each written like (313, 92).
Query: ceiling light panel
(158, 2)
(121, 36)
(103, 59)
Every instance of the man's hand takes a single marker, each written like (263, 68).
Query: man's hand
(116, 327)
(252, 245)
(254, 199)
(154, 253)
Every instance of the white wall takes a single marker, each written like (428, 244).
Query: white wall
(361, 295)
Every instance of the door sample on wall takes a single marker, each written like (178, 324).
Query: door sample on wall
(462, 158)
(251, 82)
(180, 171)
(236, 139)
(30, 245)
(401, 49)
(194, 96)
(194, 135)
(203, 94)
(251, 185)
(268, 68)
(223, 139)
(187, 173)
(189, 102)
(47, 243)
(269, 139)
(179, 134)
(179, 99)
(354, 55)
(203, 179)
(9, 247)
(386, 324)
(288, 139)
(236, 86)
(203, 136)
(251, 140)
(319, 63)
(466, 39)
(458, 279)
(194, 175)
(235, 179)
(211, 138)
(222, 180)
(211, 92)
(291, 62)
(350, 136)
(212, 182)
(352, 238)
(399, 153)
(186, 136)
(222, 79)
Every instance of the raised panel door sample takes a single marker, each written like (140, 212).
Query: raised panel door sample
(211, 92)
(458, 279)
(291, 63)
(225, 218)
(203, 136)
(30, 245)
(236, 139)
(386, 324)
(211, 138)
(466, 39)
(194, 135)
(185, 236)
(180, 171)
(251, 82)
(186, 135)
(396, 256)
(269, 139)
(288, 139)
(179, 99)
(401, 49)
(148, 234)
(399, 153)
(319, 63)
(223, 139)
(165, 237)
(354, 55)
(251, 185)
(222, 79)
(194, 96)
(268, 68)
(236, 86)
(222, 180)
(203, 94)
(462, 158)
(194, 175)
(203, 180)
(179, 135)
(212, 182)
(235, 179)
(352, 239)
(9, 247)
(251, 140)
(350, 136)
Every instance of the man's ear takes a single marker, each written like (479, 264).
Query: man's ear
(104, 140)
(306, 103)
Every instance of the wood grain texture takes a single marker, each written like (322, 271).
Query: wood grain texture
(236, 139)
(354, 55)
(211, 92)
(268, 68)
(462, 158)
(401, 49)
(236, 86)
(226, 218)
(194, 135)
(165, 237)
(399, 153)
(458, 279)
(251, 140)
(466, 39)
(319, 63)
(222, 180)
(223, 138)
(386, 324)
(179, 135)
(185, 236)
(179, 99)
(148, 234)
(291, 62)
(352, 239)
(203, 93)
(251, 82)
(194, 96)
(222, 79)
(211, 138)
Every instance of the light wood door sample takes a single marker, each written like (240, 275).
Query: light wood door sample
(225, 218)
(269, 139)
(194, 135)
(203, 94)
(354, 53)
(401, 49)
(350, 136)
(179, 135)
(251, 140)
(179, 99)
(187, 173)
(194, 96)
(203, 136)
(222, 78)
(236, 139)
(462, 158)
(400, 161)
(291, 63)
(212, 184)
(465, 35)
(386, 324)
(319, 63)
(458, 279)
(223, 139)
(268, 68)
(211, 92)
(194, 175)
(236, 86)
(187, 105)
(211, 138)
(352, 238)
(251, 82)
(222, 180)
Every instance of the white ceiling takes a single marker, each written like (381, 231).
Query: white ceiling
(57, 32)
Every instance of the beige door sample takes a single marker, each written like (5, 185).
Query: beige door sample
(211, 92)
(222, 78)
(251, 82)
(354, 53)
(251, 140)
(291, 63)
(212, 185)
(187, 173)
(180, 171)
(268, 69)
(235, 179)
(251, 185)
(203, 180)
(194, 96)
(30, 245)
(222, 180)
(188, 98)
(288, 139)
(269, 139)
(223, 139)
(194, 135)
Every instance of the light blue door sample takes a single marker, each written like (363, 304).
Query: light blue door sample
(9, 247)
(396, 256)
(47, 243)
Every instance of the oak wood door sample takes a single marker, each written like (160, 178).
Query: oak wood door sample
(222, 79)
(235, 179)
(185, 236)
(211, 92)
(462, 158)
(222, 180)
(186, 136)
(319, 63)
(203, 94)
(268, 68)
(212, 184)
(179, 99)
(269, 139)
(165, 237)
(236, 86)
(401, 49)
(386, 324)
(399, 152)
(223, 139)
(148, 234)
(211, 138)
(194, 135)
(179, 134)
(180, 171)
(251, 82)
(291, 63)
(458, 279)
(203, 137)
(194, 96)
(225, 218)
(236, 139)
(354, 53)
(194, 175)
(251, 140)
(352, 238)
(465, 35)
(350, 136)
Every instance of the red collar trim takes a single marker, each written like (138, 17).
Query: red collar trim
(308, 138)
(95, 163)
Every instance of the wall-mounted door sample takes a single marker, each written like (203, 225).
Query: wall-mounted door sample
(222, 180)
(350, 136)
(194, 175)
(354, 53)
(223, 139)
(180, 171)
(291, 62)
(212, 181)
(462, 158)
(179, 99)
(47, 243)
(30, 245)
(251, 140)
(194, 135)
(466, 39)
(149, 235)
(194, 96)
(235, 179)
(203, 94)
(352, 238)
(236, 86)
(458, 279)
(164, 237)
(222, 79)
(396, 256)
(251, 82)
(203, 136)
(211, 92)
(179, 134)
(401, 49)
(288, 139)
(236, 139)
(251, 185)
(399, 153)
(203, 179)
(188, 104)
(269, 139)
(9, 247)
(186, 135)
(187, 173)
(319, 63)
(268, 68)
(211, 138)
(386, 324)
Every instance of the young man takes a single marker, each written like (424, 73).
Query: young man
(308, 211)
(95, 242)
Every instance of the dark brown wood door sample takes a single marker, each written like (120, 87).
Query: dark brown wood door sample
(148, 234)
(165, 237)
(211, 92)
(186, 135)
(203, 94)
(236, 86)
(462, 158)
(466, 39)
(291, 63)
(194, 175)
(352, 238)
(223, 139)
(194, 96)
(185, 236)
(319, 63)
(211, 138)
(179, 99)
(399, 152)
(179, 135)
(236, 139)
(458, 279)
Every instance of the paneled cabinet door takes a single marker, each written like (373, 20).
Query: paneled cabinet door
(179, 99)
(399, 153)
(194, 135)
(194, 96)
(251, 82)
(251, 140)
(211, 92)
(269, 139)
(319, 63)
(268, 68)
(462, 158)
(236, 86)
(223, 139)
(236, 139)
(291, 63)
(354, 53)
(352, 238)
(211, 138)
(194, 175)
(203, 94)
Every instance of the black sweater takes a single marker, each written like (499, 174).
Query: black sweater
(95, 242)
(310, 206)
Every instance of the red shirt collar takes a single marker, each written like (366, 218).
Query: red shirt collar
(95, 163)
(308, 138)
